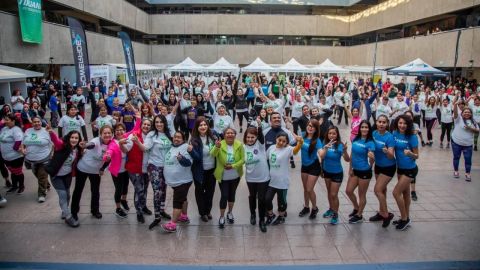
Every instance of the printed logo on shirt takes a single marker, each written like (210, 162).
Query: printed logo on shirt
(250, 158)
(221, 123)
(168, 159)
(230, 158)
(273, 161)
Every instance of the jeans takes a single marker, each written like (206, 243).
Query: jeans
(140, 185)
(204, 192)
(62, 186)
(467, 155)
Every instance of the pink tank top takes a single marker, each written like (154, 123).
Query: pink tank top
(355, 127)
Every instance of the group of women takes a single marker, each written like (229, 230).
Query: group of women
(155, 149)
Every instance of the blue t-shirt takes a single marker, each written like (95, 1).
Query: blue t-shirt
(308, 159)
(403, 142)
(265, 89)
(360, 149)
(53, 104)
(385, 140)
(332, 162)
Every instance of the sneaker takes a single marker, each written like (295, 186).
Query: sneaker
(209, 216)
(313, 214)
(230, 218)
(3, 202)
(279, 220)
(375, 218)
(334, 219)
(402, 224)
(386, 221)
(430, 144)
(423, 144)
(75, 216)
(263, 226)
(63, 216)
(12, 189)
(270, 219)
(169, 227)
(155, 223)
(124, 204)
(97, 215)
(328, 213)
(305, 211)
(140, 218)
(355, 219)
(20, 190)
(221, 222)
(441, 145)
(41, 199)
(204, 218)
(253, 219)
(183, 219)
(8, 184)
(164, 215)
(120, 213)
(468, 178)
(396, 222)
(72, 222)
(456, 175)
(353, 213)
(414, 196)
(147, 211)
(475, 148)
(448, 145)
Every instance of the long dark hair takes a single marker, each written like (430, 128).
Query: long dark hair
(166, 130)
(339, 139)
(196, 134)
(66, 141)
(315, 136)
(369, 134)
(410, 130)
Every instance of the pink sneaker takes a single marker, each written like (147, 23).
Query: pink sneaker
(169, 227)
(183, 219)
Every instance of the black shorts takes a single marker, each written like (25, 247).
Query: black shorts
(180, 194)
(335, 177)
(411, 173)
(388, 171)
(313, 169)
(366, 175)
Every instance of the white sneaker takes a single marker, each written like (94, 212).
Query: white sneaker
(3, 202)
(41, 199)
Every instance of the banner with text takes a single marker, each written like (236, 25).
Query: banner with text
(30, 13)
(129, 58)
(80, 52)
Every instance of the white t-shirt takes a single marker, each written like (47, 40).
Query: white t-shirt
(18, 106)
(222, 122)
(400, 107)
(338, 98)
(122, 96)
(92, 159)
(279, 159)
(67, 165)
(68, 124)
(256, 163)
(104, 121)
(475, 112)
(297, 109)
(208, 160)
(174, 173)
(8, 137)
(447, 112)
(38, 144)
(77, 99)
(431, 112)
(460, 134)
(157, 146)
(231, 174)
(383, 110)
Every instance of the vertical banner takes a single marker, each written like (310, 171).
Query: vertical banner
(129, 58)
(30, 13)
(80, 52)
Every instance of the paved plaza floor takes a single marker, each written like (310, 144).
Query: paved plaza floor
(445, 227)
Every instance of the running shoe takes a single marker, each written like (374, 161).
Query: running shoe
(120, 213)
(75, 216)
(230, 218)
(375, 218)
(441, 145)
(204, 218)
(124, 204)
(279, 220)
(313, 214)
(403, 224)
(353, 213)
(41, 199)
(386, 221)
(155, 223)
(355, 219)
(414, 195)
(468, 178)
(3, 202)
(165, 215)
(12, 189)
(221, 222)
(334, 219)
(72, 222)
(456, 175)
(169, 227)
(183, 219)
(253, 219)
(305, 211)
(270, 219)
(147, 211)
(328, 213)
(448, 145)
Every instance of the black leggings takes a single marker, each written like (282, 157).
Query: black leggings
(228, 189)
(80, 180)
(340, 113)
(281, 199)
(295, 124)
(16, 170)
(121, 185)
(242, 115)
(257, 191)
(446, 128)
(3, 168)
(430, 123)
(204, 192)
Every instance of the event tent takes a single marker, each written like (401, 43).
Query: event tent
(417, 67)
(187, 65)
(293, 66)
(328, 67)
(258, 66)
(222, 65)
(14, 78)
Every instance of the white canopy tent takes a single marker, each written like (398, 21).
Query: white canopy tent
(293, 66)
(187, 65)
(328, 67)
(14, 78)
(258, 66)
(222, 65)
(417, 67)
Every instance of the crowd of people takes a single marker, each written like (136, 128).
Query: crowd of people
(180, 130)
